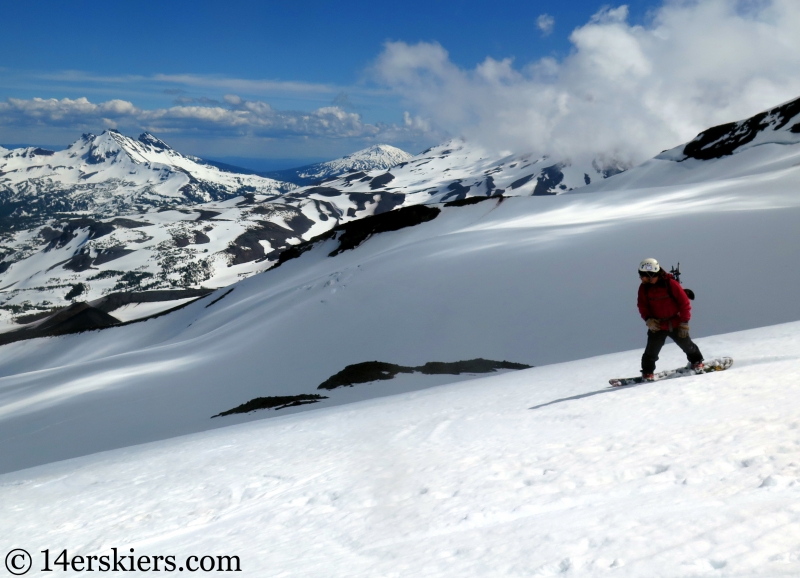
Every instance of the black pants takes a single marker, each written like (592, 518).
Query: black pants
(655, 341)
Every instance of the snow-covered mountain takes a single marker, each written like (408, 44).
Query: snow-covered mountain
(111, 175)
(376, 157)
(189, 246)
(764, 143)
(540, 471)
(210, 245)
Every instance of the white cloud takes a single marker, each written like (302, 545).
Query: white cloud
(545, 23)
(63, 112)
(609, 15)
(240, 117)
(625, 90)
(232, 99)
(416, 123)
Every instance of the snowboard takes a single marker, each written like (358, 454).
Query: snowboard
(717, 364)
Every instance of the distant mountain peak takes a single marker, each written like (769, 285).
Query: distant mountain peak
(380, 156)
(113, 146)
(377, 150)
(111, 174)
(375, 157)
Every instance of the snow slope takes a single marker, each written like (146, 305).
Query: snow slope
(543, 472)
(376, 157)
(533, 280)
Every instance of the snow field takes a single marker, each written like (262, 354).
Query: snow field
(691, 477)
(535, 280)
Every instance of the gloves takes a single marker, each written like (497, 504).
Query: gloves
(683, 330)
(653, 325)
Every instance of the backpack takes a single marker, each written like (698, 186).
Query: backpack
(676, 272)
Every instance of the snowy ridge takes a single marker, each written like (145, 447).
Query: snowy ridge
(765, 143)
(780, 125)
(458, 169)
(376, 157)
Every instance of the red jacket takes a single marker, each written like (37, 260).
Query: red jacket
(656, 302)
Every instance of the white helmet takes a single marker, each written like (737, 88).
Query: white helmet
(649, 266)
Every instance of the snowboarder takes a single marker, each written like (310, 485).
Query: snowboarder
(666, 310)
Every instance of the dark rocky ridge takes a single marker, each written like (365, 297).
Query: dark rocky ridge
(246, 247)
(116, 300)
(520, 182)
(83, 316)
(550, 178)
(350, 235)
(457, 191)
(379, 371)
(73, 319)
(83, 260)
(273, 402)
(381, 181)
(723, 140)
(324, 191)
(369, 371)
(474, 200)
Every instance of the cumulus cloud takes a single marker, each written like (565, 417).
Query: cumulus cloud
(232, 116)
(545, 23)
(63, 112)
(626, 91)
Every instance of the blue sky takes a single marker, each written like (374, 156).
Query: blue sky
(314, 80)
(311, 54)
(312, 41)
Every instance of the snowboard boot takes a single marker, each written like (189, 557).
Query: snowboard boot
(648, 377)
(697, 366)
